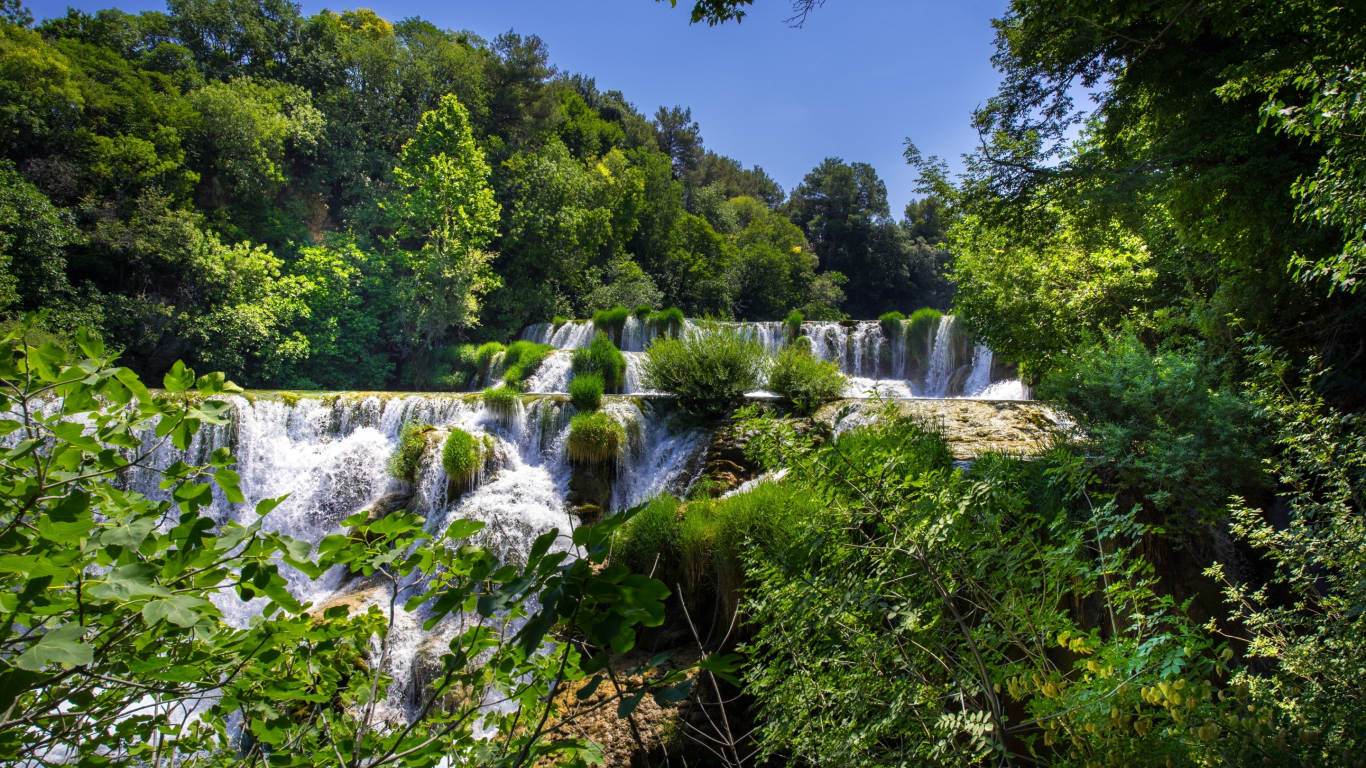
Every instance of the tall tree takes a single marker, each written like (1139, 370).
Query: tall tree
(679, 137)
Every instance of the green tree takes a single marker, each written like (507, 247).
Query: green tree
(448, 207)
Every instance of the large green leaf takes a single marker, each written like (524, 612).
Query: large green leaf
(59, 646)
(177, 609)
(128, 582)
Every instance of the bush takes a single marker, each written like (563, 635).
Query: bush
(486, 353)
(521, 360)
(412, 443)
(793, 324)
(558, 321)
(596, 439)
(803, 380)
(585, 392)
(667, 322)
(462, 456)
(603, 358)
(611, 321)
(891, 322)
(453, 368)
(502, 402)
(709, 369)
(643, 312)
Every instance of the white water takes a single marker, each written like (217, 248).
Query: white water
(941, 360)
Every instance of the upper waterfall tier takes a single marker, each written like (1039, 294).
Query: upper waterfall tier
(932, 357)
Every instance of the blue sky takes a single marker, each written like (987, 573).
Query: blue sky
(854, 82)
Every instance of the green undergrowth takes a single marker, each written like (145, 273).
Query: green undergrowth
(521, 360)
(407, 457)
(462, 455)
(502, 402)
(585, 392)
(595, 439)
(793, 324)
(709, 369)
(804, 381)
(604, 359)
(667, 322)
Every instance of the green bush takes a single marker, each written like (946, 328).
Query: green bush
(596, 439)
(603, 358)
(502, 402)
(611, 321)
(521, 359)
(643, 312)
(667, 322)
(793, 324)
(709, 369)
(558, 321)
(407, 456)
(803, 380)
(453, 368)
(486, 353)
(924, 315)
(462, 455)
(891, 322)
(585, 392)
(920, 329)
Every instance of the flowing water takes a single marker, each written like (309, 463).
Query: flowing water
(882, 358)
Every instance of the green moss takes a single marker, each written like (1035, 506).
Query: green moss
(462, 455)
(521, 359)
(558, 321)
(793, 324)
(603, 358)
(596, 439)
(803, 380)
(485, 355)
(407, 457)
(611, 320)
(643, 312)
(585, 392)
(502, 402)
(667, 322)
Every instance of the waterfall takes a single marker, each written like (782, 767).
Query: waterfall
(980, 377)
(941, 360)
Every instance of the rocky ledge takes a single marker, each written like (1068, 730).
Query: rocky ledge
(973, 427)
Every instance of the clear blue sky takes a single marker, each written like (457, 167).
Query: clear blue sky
(854, 82)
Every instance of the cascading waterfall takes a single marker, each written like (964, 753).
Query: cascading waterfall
(877, 357)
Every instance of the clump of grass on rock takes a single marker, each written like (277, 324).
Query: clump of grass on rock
(502, 402)
(521, 359)
(804, 381)
(595, 439)
(603, 358)
(461, 456)
(708, 369)
(412, 443)
(585, 392)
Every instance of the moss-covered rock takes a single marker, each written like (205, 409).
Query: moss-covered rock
(462, 456)
(595, 439)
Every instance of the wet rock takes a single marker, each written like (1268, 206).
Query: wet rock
(726, 464)
(589, 486)
(973, 427)
(588, 514)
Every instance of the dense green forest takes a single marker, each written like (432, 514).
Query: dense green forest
(249, 189)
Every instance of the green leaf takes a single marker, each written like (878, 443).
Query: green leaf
(177, 609)
(89, 343)
(129, 582)
(129, 535)
(74, 434)
(628, 704)
(229, 481)
(179, 378)
(464, 528)
(722, 666)
(674, 693)
(59, 646)
(211, 383)
(130, 380)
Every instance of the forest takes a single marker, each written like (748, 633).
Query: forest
(250, 189)
(1162, 232)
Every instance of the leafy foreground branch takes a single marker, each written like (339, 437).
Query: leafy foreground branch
(114, 649)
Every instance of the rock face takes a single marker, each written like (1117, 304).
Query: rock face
(973, 427)
(725, 464)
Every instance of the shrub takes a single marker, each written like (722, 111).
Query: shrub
(793, 324)
(461, 456)
(595, 438)
(920, 330)
(407, 457)
(558, 321)
(891, 322)
(502, 402)
(454, 367)
(611, 320)
(486, 353)
(709, 369)
(803, 380)
(603, 358)
(667, 322)
(521, 360)
(643, 312)
(585, 392)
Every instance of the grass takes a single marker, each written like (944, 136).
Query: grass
(793, 324)
(521, 359)
(891, 321)
(803, 380)
(462, 455)
(667, 322)
(596, 439)
(643, 312)
(407, 457)
(920, 328)
(611, 320)
(709, 369)
(558, 321)
(485, 355)
(585, 392)
(603, 358)
(502, 402)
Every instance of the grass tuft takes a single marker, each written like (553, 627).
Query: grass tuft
(667, 322)
(803, 380)
(603, 358)
(643, 312)
(407, 457)
(521, 359)
(502, 402)
(585, 392)
(709, 369)
(596, 439)
(462, 455)
(793, 324)
(558, 321)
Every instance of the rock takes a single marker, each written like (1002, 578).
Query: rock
(588, 514)
(726, 465)
(589, 486)
(973, 427)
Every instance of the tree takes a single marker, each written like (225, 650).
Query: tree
(679, 137)
(448, 207)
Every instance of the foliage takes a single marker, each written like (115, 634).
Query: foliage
(487, 353)
(954, 641)
(1312, 642)
(887, 318)
(462, 456)
(792, 324)
(803, 380)
(127, 624)
(709, 368)
(502, 401)
(667, 322)
(1169, 428)
(595, 438)
(610, 321)
(585, 392)
(642, 312)
(520, 361)
(558, 321)
(413, 440)
(601, 357)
